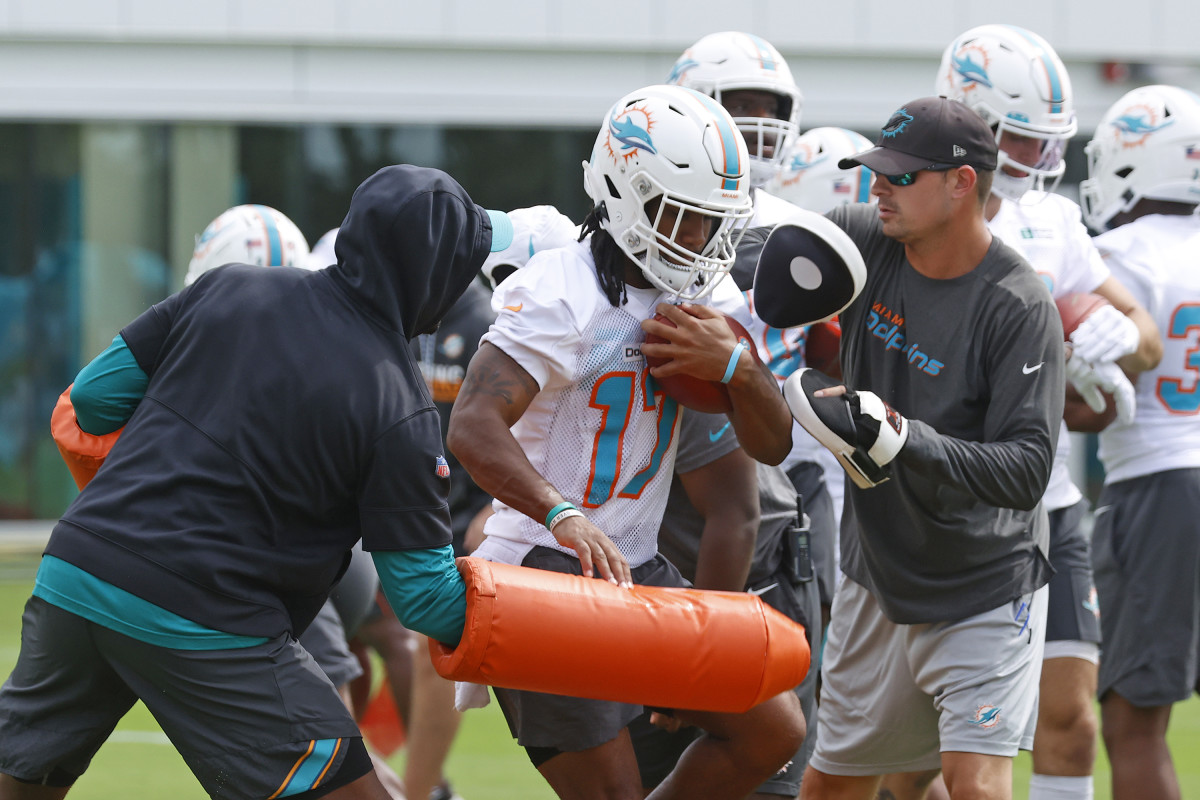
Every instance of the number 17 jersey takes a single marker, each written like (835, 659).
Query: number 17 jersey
(599, 430)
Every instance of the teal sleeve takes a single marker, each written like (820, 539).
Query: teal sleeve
(108, 389)
(425, 591)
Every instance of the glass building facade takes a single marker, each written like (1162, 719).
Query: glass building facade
(98, 221)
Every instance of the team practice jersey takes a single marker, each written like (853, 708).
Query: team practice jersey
(976, 364)
(599, 430)
(1158, 259)
(1047, 229)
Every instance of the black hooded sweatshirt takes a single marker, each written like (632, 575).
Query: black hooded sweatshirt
(284, 418)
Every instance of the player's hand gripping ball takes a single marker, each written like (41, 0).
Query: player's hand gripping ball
(1074, 308)
(698, 394)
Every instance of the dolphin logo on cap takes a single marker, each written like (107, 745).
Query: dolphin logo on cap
(896, 125)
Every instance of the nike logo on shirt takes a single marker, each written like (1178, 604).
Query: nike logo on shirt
(717, 434)
(763, 590)
(1028, 370)
(519, 306)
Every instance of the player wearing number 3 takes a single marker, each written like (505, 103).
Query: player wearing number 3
(1143, 187)
(561, 421)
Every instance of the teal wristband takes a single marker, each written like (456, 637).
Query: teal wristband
(554, 512)
(733, 360)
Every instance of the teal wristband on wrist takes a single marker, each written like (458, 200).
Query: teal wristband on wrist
(733, 360)
(554, 512)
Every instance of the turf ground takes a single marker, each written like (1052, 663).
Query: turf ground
(485, 764)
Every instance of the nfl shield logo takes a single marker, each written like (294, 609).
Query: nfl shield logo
(443, 469)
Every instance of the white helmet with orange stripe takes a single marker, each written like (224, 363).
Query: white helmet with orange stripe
(1013, 78)
(664, 152)
(248, 234)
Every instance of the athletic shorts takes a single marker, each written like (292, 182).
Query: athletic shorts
(325, 640)
(894, 697)
(809, 479)
(537, 719)
(1146, 551)
(1073, 615)
(250, 723)
(658, 751)
(354, 594)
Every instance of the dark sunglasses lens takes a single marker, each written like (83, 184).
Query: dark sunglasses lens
(901, 180)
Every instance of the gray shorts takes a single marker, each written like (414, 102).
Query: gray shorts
(537, 719)
(248, 722)
(325, 640)
(354, 594)
(1073, 613)
(894, 697)
(658, 751)
(1146, 551)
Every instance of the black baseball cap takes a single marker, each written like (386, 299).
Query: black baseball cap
(928, 131)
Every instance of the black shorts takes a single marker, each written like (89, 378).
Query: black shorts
(542, 720)
(1146, 552)
(1073, 613)
(249, 722)
(325, 641)
(658, 751)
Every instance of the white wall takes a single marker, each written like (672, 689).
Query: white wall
(533, 62)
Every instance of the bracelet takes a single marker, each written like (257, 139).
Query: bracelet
(733, 360)
(566, 513)
(554, 512)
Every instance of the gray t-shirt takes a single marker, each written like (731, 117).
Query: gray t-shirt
(976, 365)
(703, 438)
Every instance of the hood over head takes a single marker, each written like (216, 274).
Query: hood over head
(410, 245)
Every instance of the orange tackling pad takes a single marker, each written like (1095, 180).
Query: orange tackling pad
(673, 648)
(82, 452)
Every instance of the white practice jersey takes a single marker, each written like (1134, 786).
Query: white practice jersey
(1047, 229)
(1158, 259)
(597, 430)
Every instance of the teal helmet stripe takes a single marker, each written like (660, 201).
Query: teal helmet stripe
(1057, 98)
(274, 240)
(729, 142)
(764, 52)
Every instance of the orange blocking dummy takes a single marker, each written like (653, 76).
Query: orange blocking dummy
(672, 648)
(82, 452)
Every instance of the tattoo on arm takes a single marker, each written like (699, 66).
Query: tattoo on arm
(494, 374)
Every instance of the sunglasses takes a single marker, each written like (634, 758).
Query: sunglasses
(908, 178)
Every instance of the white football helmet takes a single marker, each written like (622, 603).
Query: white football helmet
(810, 177)
(1147, 145)
(664, 151)
(733, 61)
(1016, 82)
(249, 234)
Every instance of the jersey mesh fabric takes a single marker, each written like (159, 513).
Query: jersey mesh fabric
(598, 430)
(1156, 258)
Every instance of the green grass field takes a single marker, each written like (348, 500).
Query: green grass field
(485, 764)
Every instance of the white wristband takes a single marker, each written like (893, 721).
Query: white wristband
(566, 513)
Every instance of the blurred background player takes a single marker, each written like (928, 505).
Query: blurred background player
(752, 81)
(263, 236)
(809, 177)
(1143, 188)
(562, 372)
(1018, 84)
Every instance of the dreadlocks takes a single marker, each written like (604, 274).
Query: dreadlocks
(610, 259)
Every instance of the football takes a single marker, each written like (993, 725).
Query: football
(709, 397)
(1074, 308)
(821, 347)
